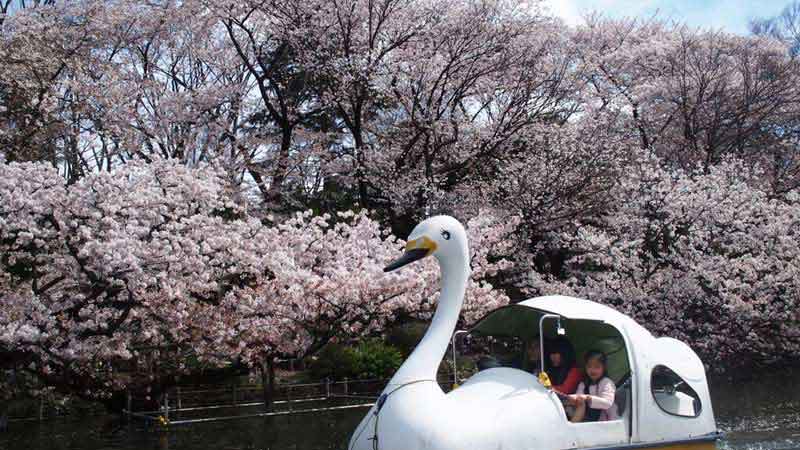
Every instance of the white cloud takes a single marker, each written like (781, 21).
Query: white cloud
(731, 15)
(565, 9)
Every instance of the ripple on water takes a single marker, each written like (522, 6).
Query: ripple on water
(751, 442)
(759, 415)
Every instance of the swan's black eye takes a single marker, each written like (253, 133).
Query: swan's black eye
(446, 235)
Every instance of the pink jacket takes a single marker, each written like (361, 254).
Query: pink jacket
(602, 397)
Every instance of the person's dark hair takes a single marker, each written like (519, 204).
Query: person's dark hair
(562, 346)
(594, 354)
(487, 362)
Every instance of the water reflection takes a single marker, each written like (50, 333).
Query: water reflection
(760, 414)
(763, 413)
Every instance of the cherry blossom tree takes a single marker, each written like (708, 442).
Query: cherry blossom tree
(39, 48)
(353, 45)
(705, 257)
(171, 130)
(785, 26)
(154, 263)
(464, 96)
(126, 80)
(117, 262)
(429, 92)
(89, 84)
(329, 284)
(693, 96)
(172, 88)
(287, 112)
(558, 176)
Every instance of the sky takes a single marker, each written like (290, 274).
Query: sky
(731, 15)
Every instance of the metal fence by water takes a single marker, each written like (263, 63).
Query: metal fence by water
(184, 405)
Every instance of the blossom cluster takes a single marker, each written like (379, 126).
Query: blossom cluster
(159, 259)
(704, 257)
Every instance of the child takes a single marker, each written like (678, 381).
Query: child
(560, 366)
(594, 399)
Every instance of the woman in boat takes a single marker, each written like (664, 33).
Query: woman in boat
(594, 400)
(560, 366)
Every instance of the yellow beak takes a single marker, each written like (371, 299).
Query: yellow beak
(416, 249)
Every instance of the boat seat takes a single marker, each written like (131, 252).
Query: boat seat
(621, 399)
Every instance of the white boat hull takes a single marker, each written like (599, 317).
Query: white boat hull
(500, 408)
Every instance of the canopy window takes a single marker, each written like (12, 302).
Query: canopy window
(522, 322)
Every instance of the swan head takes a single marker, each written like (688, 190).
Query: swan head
(441, 236)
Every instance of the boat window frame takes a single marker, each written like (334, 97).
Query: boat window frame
(541, 337)
(699, 410)
(455, 364)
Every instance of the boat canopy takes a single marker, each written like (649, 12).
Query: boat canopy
(588, 326)
(668, 379)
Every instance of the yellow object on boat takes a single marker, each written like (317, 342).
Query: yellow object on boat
(545, 380)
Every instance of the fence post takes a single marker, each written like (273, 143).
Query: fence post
(178, 393)
(233, 389)
(346, 391)
(166, 405)
(327, 388)
(41, 407)
(289, 397)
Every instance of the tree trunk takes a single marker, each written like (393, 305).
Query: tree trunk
(3, 420)
(268, 382)
(355, 129)
(280, 171)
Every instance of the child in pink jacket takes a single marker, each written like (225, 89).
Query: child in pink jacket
(594, 399)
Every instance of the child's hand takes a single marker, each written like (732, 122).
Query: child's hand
(580, 399)
(572, 399)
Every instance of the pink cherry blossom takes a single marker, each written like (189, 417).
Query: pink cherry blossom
(155, 261)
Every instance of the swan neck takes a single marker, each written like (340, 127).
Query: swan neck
(423, 363)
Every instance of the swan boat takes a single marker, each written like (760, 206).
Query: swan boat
(662, 394)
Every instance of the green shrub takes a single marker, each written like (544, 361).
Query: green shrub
(375, 359)
(334, 361)
(405, 337)
(370, 359)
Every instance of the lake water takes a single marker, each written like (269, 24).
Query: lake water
(763, 414)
